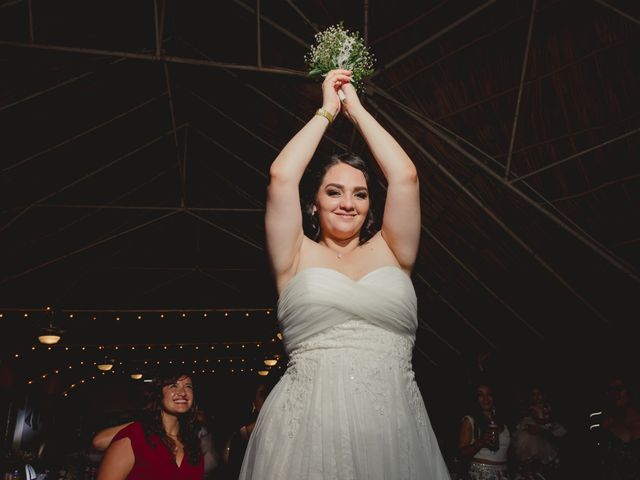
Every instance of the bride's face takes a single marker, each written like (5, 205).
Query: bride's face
(342, 202)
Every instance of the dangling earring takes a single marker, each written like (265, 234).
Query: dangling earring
(315, 223)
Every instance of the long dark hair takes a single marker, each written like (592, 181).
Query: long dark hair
(480, 420)
(152, 419)
(309, 190)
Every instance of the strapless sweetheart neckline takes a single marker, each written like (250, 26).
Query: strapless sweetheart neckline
(341, 274)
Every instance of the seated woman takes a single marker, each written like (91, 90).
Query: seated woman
(484, 439)
(164, 443)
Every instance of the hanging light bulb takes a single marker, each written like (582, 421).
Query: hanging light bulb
(136, 376)
(49, 339)
(50, 335)
(263, 373)
(105, 365)
(270, 362)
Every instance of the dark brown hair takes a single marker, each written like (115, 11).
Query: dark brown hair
(152, 419)
(309, 191)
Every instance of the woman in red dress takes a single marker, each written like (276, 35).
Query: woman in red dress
(164, 443)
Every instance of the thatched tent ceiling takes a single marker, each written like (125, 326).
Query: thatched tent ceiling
(137, 138)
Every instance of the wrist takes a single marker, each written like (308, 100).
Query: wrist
(322, 112)
(332, 109)
(357, 112)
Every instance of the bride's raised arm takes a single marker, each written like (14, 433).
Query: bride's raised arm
(283, 218)
(401, 220)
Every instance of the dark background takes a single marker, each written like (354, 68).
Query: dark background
(136, 141)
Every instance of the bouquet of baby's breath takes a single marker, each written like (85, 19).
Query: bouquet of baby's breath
(336, 47)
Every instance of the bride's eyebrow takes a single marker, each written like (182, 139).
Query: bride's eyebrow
(335, 185)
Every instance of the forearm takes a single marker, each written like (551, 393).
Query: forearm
(390, 156)
(470, 450)
(290, 164)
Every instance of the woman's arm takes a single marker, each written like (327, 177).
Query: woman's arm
(283, 218)
(118, 461)
(102, 439)
(466, 446)
(401, 220)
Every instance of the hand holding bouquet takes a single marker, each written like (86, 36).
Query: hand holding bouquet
(337, 48)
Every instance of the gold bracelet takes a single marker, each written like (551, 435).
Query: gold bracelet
(323, 113)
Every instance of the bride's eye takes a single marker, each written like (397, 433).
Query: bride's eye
(362, 195)
(333, 193)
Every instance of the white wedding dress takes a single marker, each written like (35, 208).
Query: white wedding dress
(347, 406)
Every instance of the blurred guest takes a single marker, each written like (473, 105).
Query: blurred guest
(237, 444)
(207, 443)
(536, 439)
(619, 436)
(484, 438)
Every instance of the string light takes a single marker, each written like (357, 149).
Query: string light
(270, 362)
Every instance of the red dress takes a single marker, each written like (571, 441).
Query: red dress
(156, 463)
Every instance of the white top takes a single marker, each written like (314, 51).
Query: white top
(500, 455)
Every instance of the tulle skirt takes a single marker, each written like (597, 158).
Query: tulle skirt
(347, 408)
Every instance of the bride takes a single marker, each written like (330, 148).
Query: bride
(347, 406)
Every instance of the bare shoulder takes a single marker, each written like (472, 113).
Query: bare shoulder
(377, 251)
(308, 251)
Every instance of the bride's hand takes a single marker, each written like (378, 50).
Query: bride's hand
(334, 80)
(350, 103)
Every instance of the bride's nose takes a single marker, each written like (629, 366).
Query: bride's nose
(346, 203)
